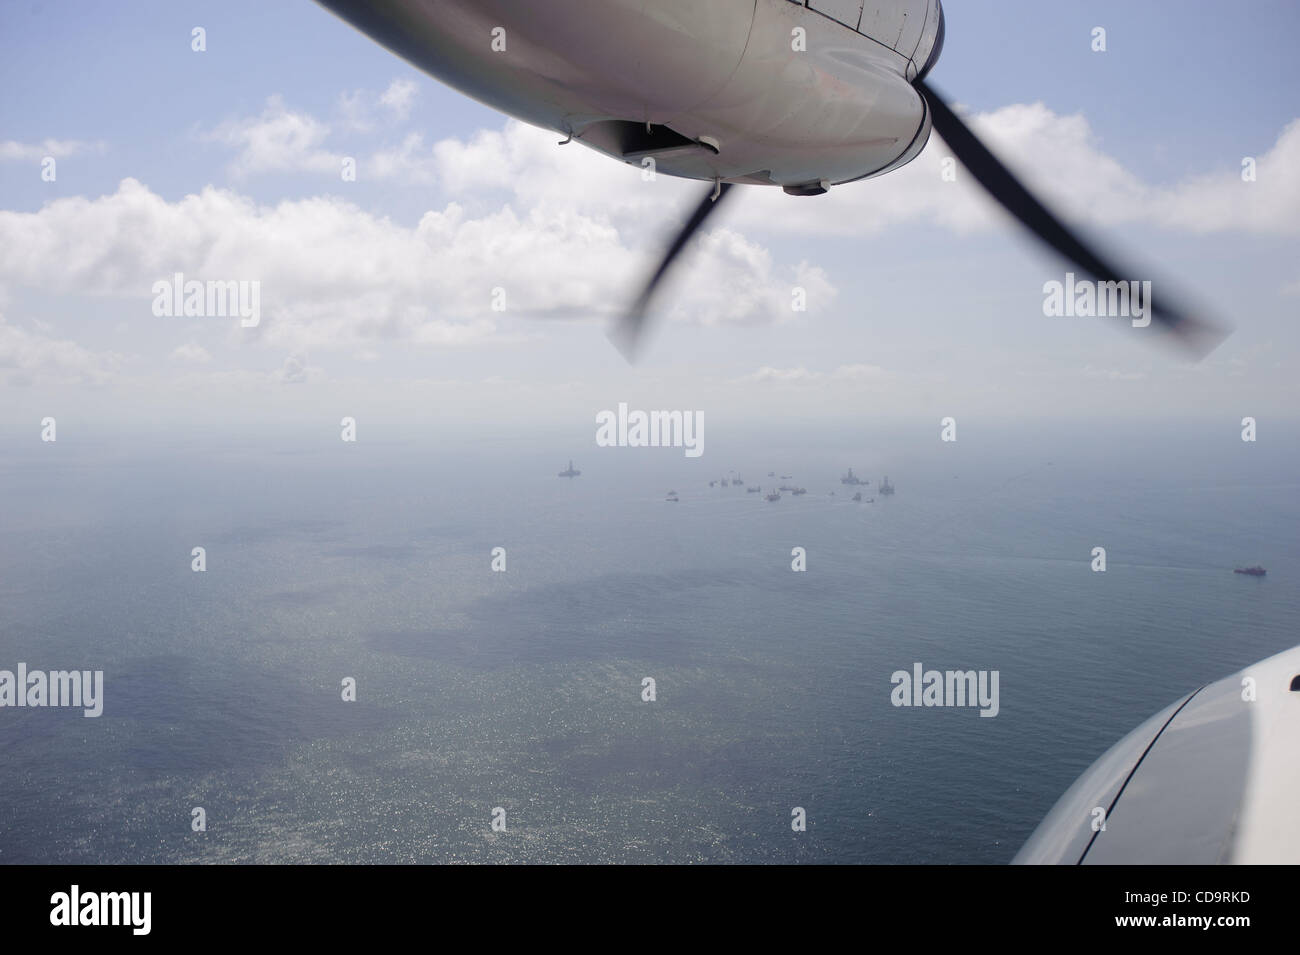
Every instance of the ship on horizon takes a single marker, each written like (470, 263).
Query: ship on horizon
(886, 487)
(1251, 571)
(569, 472)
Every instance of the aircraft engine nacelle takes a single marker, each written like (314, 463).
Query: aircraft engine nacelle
(775, 92)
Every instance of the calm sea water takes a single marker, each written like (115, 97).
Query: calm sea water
(522, 689)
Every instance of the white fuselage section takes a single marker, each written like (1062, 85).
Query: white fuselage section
(760, 91)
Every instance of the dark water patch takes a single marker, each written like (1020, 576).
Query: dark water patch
(611, 617)
(377, 552)
(277, 530)
(185, 714)
(302, 597)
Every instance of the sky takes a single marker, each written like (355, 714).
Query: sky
(924, 300)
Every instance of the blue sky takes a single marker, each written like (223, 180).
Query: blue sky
(924, 311)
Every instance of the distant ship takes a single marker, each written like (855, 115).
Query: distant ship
(672, 496)
(724, 482)
(1251, 571)
(771, 474)
(886, 487)
(774, 496)
(858, 497)
(786, 487)
(798, 490)
(569, 472)
(738, 482)
(851, 478)
(785, 477)
(753, 490)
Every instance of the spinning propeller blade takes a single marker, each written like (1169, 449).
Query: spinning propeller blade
(1199, 337)
(626, 335)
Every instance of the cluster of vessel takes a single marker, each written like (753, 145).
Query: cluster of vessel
(794, 490)
(791, 489)
(849, 478)
(771, 496)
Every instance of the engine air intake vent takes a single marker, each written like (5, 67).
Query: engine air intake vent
(634, 140)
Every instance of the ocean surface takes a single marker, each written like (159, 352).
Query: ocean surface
(522, 690)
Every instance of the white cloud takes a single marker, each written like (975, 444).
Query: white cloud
(800, 374)
(1269, 205)
(30, 357)
(278, 140)
(768, 373)
(354, 111)
(1059, 159)
(412, 163)
(333, 274)
(397, 99)
(58, 148)
(361, 110)
(1058, 156)
(191, 353)
(297, 370)
(566, 232)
